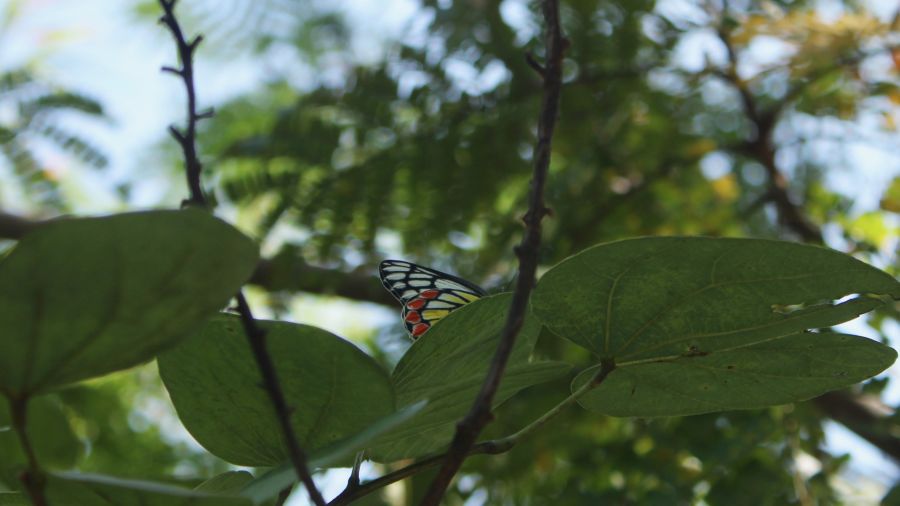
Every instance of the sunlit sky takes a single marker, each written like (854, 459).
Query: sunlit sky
(99, 48)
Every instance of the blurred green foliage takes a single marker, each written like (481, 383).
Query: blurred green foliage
(32, 110)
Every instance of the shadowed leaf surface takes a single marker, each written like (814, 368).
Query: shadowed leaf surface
(333, 388)
(83, 297)
(699, 324)
(788, 369)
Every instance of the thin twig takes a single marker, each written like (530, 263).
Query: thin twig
(492, 447)
(534, 64)
(480, 415)
(283, 496)
(187, 138)
(32, 478)
(256, 336)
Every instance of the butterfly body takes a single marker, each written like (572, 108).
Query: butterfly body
(427, 295)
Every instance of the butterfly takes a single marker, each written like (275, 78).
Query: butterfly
(427, 295)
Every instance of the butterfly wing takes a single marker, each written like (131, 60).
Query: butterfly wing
(427, 295)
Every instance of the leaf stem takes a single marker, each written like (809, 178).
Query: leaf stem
(606, 367)
(33, 477)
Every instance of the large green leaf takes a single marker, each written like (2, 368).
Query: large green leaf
(447, 366)
(697, 324)
(76, 489)
(333, 388)
(83, 297)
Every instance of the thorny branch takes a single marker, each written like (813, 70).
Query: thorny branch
(255, 334)
(187, 138)
(468, 429)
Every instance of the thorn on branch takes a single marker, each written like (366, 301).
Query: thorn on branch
(196, 42)
(534, 64)
(206, 113)
(176, 133)
(172, 70)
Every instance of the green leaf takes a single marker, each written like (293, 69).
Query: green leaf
(333, 388)
(794, 368)
(83, 297)
(226, 483)
(698, 325)
(55, 443)
(277, 479)
(76, 489)
(13, 499)
(447, 366)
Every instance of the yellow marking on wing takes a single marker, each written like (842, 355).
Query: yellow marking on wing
(432, 315)
(449, 297)
(470, 297)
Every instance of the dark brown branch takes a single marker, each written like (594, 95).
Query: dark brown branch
(32, 478)
(468, 429)
(257, 339)
(256, 336)
(760, 147)
(868, 417)
(288, 271)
